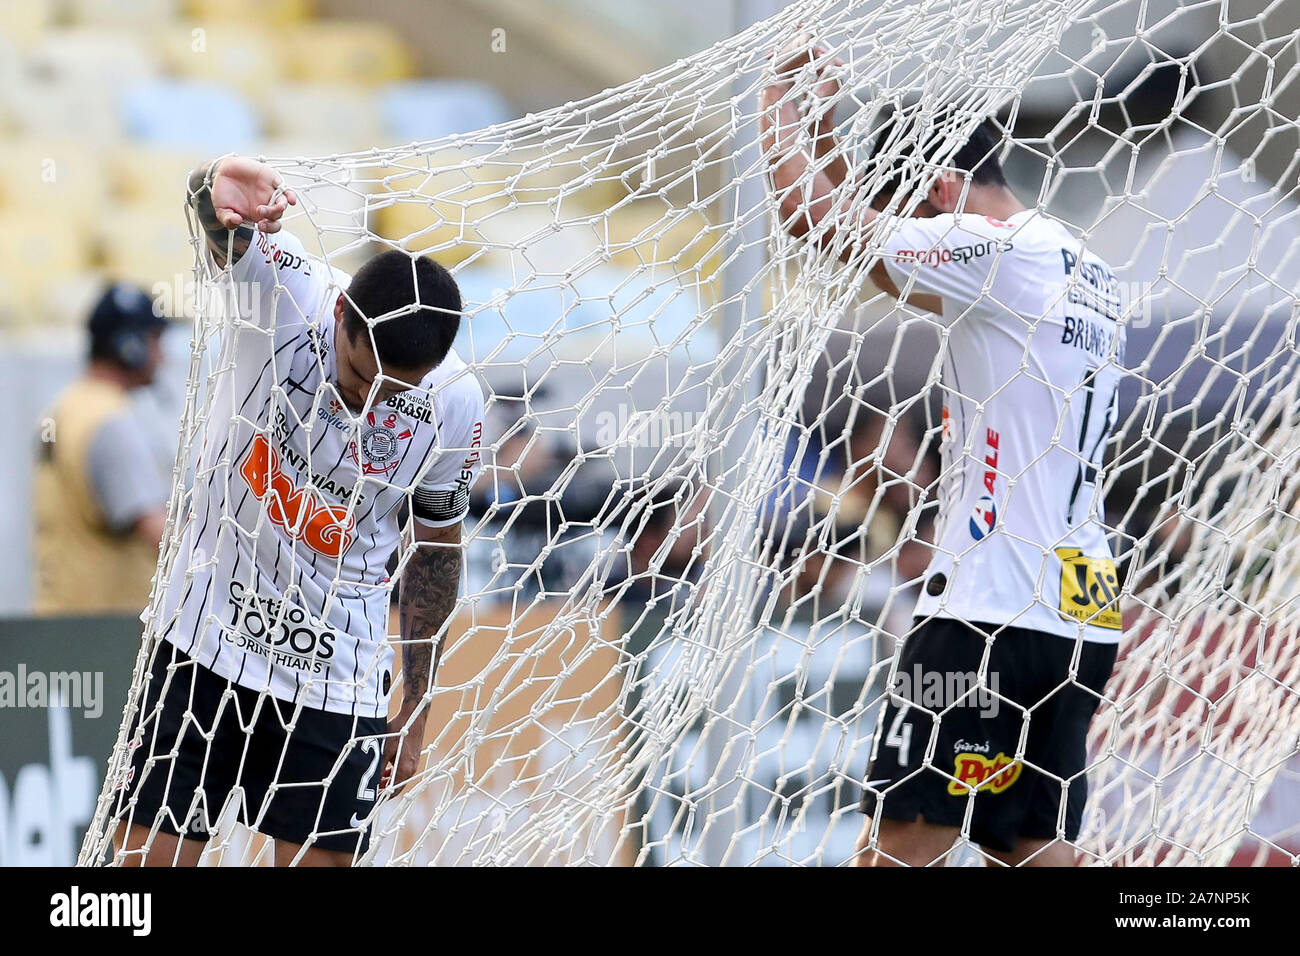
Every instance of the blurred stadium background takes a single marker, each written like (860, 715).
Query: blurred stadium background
(104, 106)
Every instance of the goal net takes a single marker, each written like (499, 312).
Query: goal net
(711, 465)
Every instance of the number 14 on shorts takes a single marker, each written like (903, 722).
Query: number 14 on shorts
(1089, 589)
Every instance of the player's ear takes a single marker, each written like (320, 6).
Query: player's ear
(937, 194)
(946, 191)
(340, 309)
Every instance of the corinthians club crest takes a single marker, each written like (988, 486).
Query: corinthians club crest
(379, 444)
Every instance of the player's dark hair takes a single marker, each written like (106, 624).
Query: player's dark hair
(978, 156)
(416, 306)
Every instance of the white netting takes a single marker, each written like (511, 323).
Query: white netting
(710, 470)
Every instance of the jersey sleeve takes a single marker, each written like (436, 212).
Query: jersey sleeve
(442, 497)
(276, 283)
(945, 256)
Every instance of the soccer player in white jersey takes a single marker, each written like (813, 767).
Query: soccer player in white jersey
(1022, 568)
(338, 400)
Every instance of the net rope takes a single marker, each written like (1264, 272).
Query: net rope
(683, 661)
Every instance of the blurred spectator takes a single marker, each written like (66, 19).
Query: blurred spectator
(537, 504)
(99, 492)
(669, 531)
(899, 466)
(910, 565)
(1163, 565)
(662, 556)
(868, 490)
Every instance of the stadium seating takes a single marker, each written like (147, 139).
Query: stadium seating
(271, 12)
(44, 173)
(339, 51)
(65, 83)
(340, 113)
(110, 104)
(24, 22)
(431, 109)
(123, 13)
(512, 327)
(44, 257)
(92, 57)
(245, 57)
(189, 114)
(146, 242)
(139, 173)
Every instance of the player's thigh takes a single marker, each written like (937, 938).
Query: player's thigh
(900, 843)
(293, 854)
(1050, 788)
(1030, 852)
(1058, 739)
(164, 849)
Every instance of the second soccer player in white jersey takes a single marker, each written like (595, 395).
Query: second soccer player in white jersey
(1022, 569)
(338, 400)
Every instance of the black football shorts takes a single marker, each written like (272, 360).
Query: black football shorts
(205, 738)
(977, 723)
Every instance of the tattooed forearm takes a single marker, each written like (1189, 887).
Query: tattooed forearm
(224, 243)
(429, 585)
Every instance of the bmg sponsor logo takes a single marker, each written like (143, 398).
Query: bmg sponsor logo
(298, 511)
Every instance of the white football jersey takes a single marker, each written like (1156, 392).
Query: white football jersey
(280, 582)
(1031, 372)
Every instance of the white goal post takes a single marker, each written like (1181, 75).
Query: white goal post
(691, 558)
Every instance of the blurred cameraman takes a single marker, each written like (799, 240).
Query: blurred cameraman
(99, 492)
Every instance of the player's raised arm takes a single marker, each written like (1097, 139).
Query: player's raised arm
(230, 197)
(804, 179)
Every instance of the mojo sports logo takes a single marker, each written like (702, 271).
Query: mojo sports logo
(977, 772)
(299, 512)
(941, 255)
